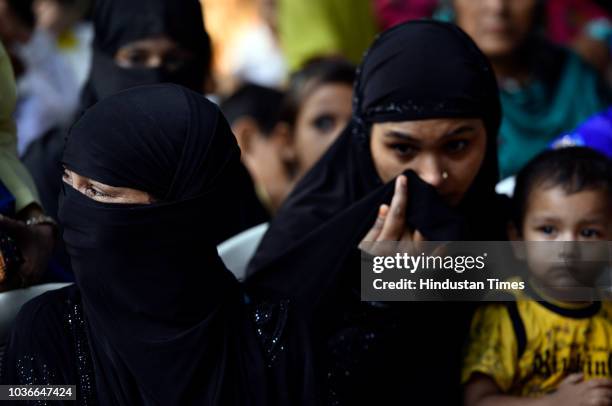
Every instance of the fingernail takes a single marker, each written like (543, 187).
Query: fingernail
(403, 181)
(383, 210)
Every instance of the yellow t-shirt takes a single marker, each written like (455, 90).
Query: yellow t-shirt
(529, 346)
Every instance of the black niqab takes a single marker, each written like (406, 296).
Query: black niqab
(119, 22)
(166, 320)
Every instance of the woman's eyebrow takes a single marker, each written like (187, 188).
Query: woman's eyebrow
(102, 185)
(460, 130)
(403, 136)
(411, 138)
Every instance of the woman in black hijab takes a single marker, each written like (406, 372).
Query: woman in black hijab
(426, 101)
(152, 179)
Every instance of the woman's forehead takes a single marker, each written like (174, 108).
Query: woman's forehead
(431, 129)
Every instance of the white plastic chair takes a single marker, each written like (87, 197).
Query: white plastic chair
(506, 186)
(237, 251)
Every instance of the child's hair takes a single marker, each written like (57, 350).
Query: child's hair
(257, 102)
(316, 72)
(574, 169)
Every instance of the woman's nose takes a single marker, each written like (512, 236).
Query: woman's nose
(430, 171)
(496, 7)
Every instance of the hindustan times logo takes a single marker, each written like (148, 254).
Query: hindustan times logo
(413, 263)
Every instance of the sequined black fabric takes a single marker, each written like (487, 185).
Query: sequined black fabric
(71, 362)
(49, 346)
(75, 323)
(410, 107)
(270, 321)
(361, 332)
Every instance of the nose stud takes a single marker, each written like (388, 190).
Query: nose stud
(444, 175)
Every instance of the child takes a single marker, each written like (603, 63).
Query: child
(252, 111)
(549, 351)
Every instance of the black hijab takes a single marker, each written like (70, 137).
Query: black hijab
(165, 318)
(416, 70)
(119, 22)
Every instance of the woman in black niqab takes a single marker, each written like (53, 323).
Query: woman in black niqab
(373, 352)
(155, 318)
(118, 23)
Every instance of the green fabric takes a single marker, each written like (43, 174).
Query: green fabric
(12, 172)
(311, 28)
(533, 116)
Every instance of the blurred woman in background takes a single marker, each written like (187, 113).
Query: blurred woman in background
(545, 90)
(148, 42)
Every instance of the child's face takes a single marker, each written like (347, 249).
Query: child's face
(553, 215)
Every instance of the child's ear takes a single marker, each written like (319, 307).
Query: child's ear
(513, 232)
(282, 138)
(516, 240)
(245, 129)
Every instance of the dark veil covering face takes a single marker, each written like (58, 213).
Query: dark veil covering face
(165, 318)
(119, 22)
(416, 70)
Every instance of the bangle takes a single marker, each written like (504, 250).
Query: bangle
(44, 220)
(34, 221)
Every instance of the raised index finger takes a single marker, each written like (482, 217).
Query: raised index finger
(395, 222)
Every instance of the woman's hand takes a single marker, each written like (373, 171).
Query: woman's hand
(36, 243)
(390, 225)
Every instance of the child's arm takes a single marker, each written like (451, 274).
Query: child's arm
(482, 390)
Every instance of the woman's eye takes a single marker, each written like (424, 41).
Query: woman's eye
(590, 233)
(91, 191)
(457, 145)
(403, 150)
(137, 58)
(324, 123)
